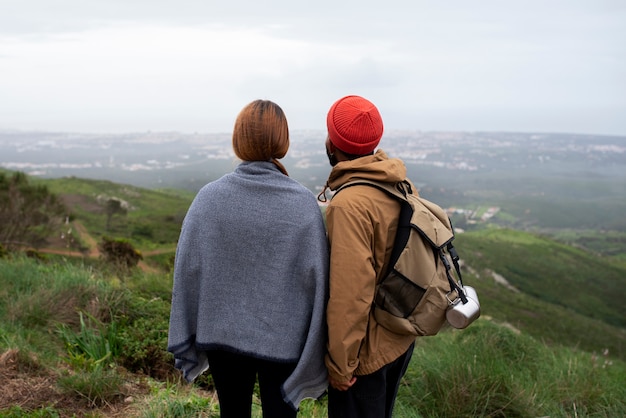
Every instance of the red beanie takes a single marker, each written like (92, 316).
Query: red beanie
(354, 125)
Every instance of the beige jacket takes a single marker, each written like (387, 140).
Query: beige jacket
(362, 223)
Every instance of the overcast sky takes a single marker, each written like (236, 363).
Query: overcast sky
(191, 65)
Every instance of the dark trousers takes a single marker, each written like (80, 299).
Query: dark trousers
(372, 395)
(234, 376)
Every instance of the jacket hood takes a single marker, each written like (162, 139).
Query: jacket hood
(377, 167)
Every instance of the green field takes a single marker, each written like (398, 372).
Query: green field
(84, 339)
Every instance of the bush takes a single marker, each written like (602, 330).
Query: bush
(30, 213)
(120, 254)
(143, 337)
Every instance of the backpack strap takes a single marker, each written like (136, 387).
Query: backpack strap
(399, 190)
(455, 260)
(446, 263)
(437, 228)
(404, 219)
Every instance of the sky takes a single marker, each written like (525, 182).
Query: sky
(120, 66)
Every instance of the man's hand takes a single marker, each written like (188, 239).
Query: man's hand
(341, 385)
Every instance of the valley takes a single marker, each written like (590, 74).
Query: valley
(558, 184)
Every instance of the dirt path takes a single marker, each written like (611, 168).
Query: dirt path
(89, 242)
(86, 238)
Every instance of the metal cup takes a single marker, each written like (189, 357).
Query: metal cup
(460, 314)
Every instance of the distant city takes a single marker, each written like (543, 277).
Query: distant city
(536, 176)
(62, 154)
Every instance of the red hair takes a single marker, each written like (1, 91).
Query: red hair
(261, 133)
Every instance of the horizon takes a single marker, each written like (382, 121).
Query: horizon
(294, 133)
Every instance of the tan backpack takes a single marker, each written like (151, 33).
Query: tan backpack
(418, 291)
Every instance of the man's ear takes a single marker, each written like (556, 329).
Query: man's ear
(330, 152)
(331, 147)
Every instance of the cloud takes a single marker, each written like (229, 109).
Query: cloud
(191, 65)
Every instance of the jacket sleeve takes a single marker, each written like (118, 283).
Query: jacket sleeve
(352, 286)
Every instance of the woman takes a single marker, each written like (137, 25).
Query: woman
(251, 278)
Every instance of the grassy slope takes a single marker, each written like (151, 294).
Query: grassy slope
(566, 296)
(154, 218)
(485, 370)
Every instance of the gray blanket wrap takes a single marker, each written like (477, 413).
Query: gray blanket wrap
(251, 276)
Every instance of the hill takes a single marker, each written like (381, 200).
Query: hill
(151, 219)
(559, 294)
(547, 288)
(549, 309)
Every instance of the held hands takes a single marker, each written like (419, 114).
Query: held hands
(341, 385)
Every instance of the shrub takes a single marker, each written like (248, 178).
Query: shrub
(143, 337)
(30, 213)
(120, 254)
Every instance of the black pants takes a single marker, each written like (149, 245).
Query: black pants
(234, 376)
(372, 395)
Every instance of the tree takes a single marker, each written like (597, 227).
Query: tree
(112, 207)
(29, 214)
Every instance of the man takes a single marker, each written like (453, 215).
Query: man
(365, 361)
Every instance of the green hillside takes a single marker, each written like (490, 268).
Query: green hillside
(560, 290)
(153, 218)
(551, 340)
(558, 293)
(94, 346)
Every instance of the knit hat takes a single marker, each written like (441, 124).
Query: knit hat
(354, 125)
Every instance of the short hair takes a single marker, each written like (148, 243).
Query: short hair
(261, 133)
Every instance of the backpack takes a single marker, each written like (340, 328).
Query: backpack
(418, 294)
